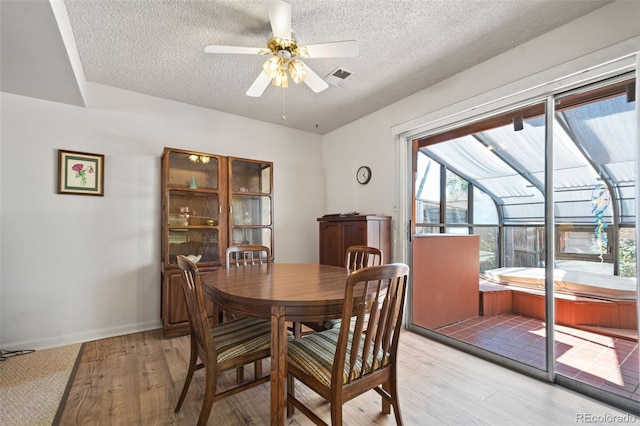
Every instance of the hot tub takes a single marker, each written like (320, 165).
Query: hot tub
(578, 283)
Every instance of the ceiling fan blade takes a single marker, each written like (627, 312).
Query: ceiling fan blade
(314, 81)
(280, 18)
(233, 49)
(337, 49)
(259, 85)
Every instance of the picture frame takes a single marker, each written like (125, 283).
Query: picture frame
(80, 173)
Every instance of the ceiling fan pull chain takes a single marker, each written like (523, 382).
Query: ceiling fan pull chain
(283, 115)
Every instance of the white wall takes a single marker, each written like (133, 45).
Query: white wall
(76, 268)
(371, 140)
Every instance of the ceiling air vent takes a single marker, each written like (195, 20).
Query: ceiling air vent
(338, 76)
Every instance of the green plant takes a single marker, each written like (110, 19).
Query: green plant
(627, 256)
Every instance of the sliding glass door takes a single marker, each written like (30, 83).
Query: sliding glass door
(524, 242)
(480, 192)
(595, 273)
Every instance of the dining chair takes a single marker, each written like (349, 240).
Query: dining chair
(342, 363)
(248, 254)
(357, 257)
(224, 347)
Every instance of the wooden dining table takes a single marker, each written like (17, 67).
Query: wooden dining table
(280, 292)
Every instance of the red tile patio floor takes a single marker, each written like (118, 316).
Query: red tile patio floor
(610, 363)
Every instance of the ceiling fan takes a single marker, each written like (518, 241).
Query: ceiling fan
(285, 52)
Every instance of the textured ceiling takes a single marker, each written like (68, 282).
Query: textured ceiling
(157, 48)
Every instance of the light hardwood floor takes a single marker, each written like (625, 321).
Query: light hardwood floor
(136, 379)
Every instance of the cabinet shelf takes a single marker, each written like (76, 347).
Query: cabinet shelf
(188, 190)
(253, 194)
(186, 228)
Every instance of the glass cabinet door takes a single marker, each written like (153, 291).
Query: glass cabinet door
(193, 170)
(193, 225)
(192, 209)
(251, 210)
(251, 202)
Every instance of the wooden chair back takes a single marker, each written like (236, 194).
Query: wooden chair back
(381, 291)
(359, 257)
(248, 254)
(198, 320)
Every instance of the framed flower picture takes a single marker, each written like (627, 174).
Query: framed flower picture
(80, 173)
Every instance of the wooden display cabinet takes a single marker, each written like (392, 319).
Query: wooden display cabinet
(208, 203)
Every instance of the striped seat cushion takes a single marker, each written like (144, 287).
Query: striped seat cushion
(335, 323)
(241, 336)
(315, 354)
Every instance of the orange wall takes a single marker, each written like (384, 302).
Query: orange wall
(445, 279)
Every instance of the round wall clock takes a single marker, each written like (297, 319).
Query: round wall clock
(363, 175)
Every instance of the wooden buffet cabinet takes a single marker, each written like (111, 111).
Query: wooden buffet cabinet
(337, 233)
(209, 202)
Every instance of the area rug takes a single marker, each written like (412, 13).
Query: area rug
(33, 384)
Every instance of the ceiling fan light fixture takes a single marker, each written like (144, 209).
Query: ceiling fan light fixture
(297, 71)
(273, 66)
(281, 79)
(276, 68)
